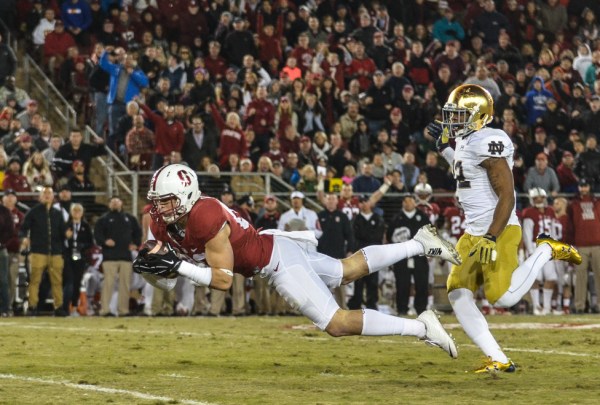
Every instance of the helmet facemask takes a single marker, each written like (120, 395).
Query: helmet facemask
(458, 121)
(166, 209)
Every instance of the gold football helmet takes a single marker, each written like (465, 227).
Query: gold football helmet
(469, 108)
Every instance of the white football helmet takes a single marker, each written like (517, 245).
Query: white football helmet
(175, 183)
(535, 193)
(423, 193)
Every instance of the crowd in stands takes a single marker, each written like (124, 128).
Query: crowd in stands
(323, 94)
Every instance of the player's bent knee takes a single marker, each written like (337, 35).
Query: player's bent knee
(507, 300)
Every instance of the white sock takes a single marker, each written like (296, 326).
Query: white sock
(547, 294)
(430, 301)
(525, 275)
(381, 256)
(535, 297)
(485, 303)
(566, 302)
(411, 301)
(378, 324)
(474, 324)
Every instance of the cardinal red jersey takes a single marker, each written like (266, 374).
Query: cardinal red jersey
(455, 218)
(251, 251)
(565, 230)
(543, 222)
(349, 207)
(432, 210)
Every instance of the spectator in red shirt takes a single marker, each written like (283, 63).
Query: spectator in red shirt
(303, 53)
(169, 133)
(260, 113)
(285, 116)
(14, 180)
(566, 176)
(140, 144)
(232, 138)
(452, 58)
(362, 67)
(214, 62)
(56, 46)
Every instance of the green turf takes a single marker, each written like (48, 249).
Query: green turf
(284, 361)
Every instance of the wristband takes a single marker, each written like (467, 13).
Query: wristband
(490, 237)
(201, 276)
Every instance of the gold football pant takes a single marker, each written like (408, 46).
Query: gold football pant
(495, 276)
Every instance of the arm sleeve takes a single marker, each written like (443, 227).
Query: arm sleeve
(139, 78)
(165, 284)
(105, 64)
(528, 235)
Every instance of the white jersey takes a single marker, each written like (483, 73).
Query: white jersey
(474, 191)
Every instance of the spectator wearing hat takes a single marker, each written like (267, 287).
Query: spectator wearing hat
(447, 28)
(542, 176)
(10, 88)
(9, 200)
(192, 23)
(584, 213)
(26, 115)
(43, 232)
(77, 16)
(306, 218)
(565, 173)
(398, 130)
(245, 182)
(378, 102)
(588, 163)
(14, 180)
(453, 60)
(76, 149)
(412, 111)
(25, 147)
(239, 43)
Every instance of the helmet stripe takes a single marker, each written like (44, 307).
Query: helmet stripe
(155, 177)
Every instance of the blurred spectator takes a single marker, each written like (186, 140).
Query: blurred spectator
(298, 212)
(37, 171)
(10, 89)
(490, 24)
(118, 233)
(76, 149)
(78, 240)
(583, 60)
(584, 213)
(232, 139)
(126, 82)
(239, 43)
(366, 182)
(447, 28)
(169, 133)
(410, 171)
(199, 142)
(589, 121)
(378, 102)
(79, 182)
(452, 59)
(13, 245)
(8, 62)
(566, 176)
(542, 176)
(140, 143)
(212, 183)
(245, 182)
(26, 115)
(43, 232)
(260, 114)
(77, 16)
(14, 180)
(274, 153)
(362, 67)
(25, 148)
(56, 46)
(553, 17)
(536, 98)
(361, 142)
(53, 146)
(588, 163)
(481, 78)
(99, 81)
(6, 233)
(44, 27)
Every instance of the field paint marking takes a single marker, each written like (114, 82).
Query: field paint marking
(85, 329)
(540, 351)
(533, 325)
(96, 388)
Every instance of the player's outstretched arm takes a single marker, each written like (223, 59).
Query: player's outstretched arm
(219, 256)
(501, 180)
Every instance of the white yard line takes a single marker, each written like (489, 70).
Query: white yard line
(46, 326)
(97, 388)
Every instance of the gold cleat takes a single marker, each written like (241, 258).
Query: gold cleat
(560, 250)
(492, 366)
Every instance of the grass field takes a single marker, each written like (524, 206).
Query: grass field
(284, 360)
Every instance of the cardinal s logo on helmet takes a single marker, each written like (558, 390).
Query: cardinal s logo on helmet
(469, 108)
(173, 192)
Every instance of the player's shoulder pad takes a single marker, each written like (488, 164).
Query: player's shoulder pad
(206, 213)
(491, 142)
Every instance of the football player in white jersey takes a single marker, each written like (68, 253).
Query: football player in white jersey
(482, 161)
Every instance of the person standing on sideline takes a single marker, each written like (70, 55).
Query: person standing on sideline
(337, 240)
(301, 213)
(6, 233)
(13, 245)
(404, 226)
(79, 238)
(43, 232)
(368, 228)
(118, 233)
(584, 212)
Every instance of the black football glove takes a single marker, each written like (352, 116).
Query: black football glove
(162, 265)
(437, 132)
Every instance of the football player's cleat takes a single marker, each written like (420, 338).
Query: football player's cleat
(560, 250)
(492, 366)
(436, 335)
(435, 246)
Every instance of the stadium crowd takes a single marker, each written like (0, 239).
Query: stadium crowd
(330, 96)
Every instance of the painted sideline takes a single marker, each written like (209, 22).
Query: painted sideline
(96, 388)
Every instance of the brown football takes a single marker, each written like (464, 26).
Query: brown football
(155, 247)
